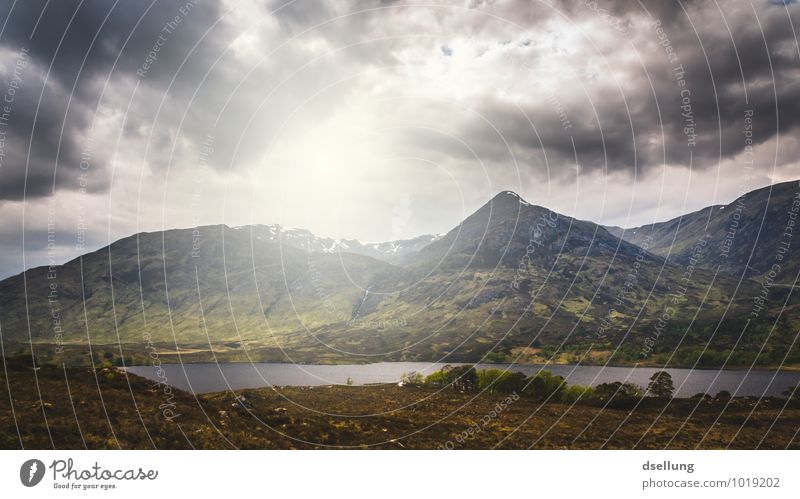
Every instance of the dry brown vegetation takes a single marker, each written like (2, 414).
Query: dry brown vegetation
(109, 409)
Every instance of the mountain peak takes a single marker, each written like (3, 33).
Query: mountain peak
(508, 197)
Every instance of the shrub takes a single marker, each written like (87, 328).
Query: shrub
(499, 381)
(412, 379)
(462, 378)
(438, 378)
(661, 385)
(723, 395)
(577, 393)
(544, 386)
(494, 357)
(792, 393)
(617, 394)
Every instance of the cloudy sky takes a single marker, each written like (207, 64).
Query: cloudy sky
(382, 120)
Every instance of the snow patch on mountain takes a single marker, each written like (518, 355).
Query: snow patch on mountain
(389, 251)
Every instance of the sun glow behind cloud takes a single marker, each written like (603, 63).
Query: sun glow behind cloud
(345, 118)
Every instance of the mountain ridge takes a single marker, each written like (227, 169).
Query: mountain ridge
(744, 238)
(512, 281)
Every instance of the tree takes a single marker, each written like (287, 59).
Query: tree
(463, 378)
(617, 394)
(499, 381)
(440, 377)
(577, 393)
(704, 397)
(661, 385)
(723, 395)
(544, 386)
(412, 379)
(792, 393)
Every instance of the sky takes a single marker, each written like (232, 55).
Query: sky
(382, 120)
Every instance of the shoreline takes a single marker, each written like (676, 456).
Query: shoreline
(791, 368)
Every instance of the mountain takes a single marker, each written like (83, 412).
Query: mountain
(214, 285)
(508, 229)
(517, 279)
(750, 237)
(389, 251)
(512, 282)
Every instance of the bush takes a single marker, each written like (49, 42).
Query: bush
(463, 378)
(495, 358)
(792, 393)
(661, 385)
(618, 395)
(577, 393)
(499, 381)
(412, 379)
(723, 395)
(438, 378)
(544, 386)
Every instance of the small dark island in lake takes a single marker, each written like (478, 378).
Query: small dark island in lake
(107, 408)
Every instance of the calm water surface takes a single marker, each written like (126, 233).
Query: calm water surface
(205, 378)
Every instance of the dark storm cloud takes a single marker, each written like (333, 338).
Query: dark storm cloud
(682, 107)
(89, 37)
(74, 48)
(619, 123)
(29, 168)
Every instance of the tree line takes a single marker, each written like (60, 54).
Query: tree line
(544, 386)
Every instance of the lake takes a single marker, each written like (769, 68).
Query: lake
(206, 378)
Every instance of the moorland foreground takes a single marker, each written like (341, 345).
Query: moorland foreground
(106, 408)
